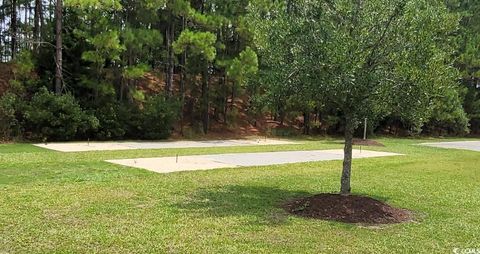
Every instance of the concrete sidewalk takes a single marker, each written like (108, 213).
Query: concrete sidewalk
(205, 162)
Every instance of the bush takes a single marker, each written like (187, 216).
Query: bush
(111, 124)
(159, 115)
(152, 120)
(454, 123)
(25, 78)
(9, 124)
(55, 117)
(472, 107)
(448, 117)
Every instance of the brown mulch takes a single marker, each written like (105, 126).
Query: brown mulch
(367, 142)
(349, 209)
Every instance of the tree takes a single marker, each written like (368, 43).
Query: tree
(384, 56)
(199, 44)
(366, 58)
(468, 56)
(279, 31)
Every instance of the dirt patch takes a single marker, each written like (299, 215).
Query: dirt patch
(367, 142)
(349, 209)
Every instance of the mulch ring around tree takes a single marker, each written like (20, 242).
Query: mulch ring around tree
(348, 209)
(366, 142)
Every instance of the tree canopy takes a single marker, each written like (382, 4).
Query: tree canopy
(363, 59)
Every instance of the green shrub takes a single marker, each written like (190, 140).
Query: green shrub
(24, 76)
(232, 118)
(284, 131)
(111, 123)
(472, 107)
(448, 116)
(454, 123)
(9, 124)
(159, 115)
(133, 120)
(55, 117)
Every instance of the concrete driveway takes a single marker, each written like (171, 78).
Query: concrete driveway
(464, 145)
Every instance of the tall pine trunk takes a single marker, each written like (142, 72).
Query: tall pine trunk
(225, 106)
(2, 14)
(170, 34)
(13, 29)
(205, 100)
(183, 79)
(306, 123)
(26, 34)
(37, 23)
(59, 45)
(347, 161)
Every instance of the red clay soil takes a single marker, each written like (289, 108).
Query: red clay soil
(367, 142)
(349, 209)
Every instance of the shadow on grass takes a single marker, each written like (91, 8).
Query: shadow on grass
(259, 204)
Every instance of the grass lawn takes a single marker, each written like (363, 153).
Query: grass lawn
(75, 202)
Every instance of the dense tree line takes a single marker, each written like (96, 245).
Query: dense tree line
(136, 69)
(100, 52)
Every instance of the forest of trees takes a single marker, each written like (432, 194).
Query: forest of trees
(125, 69)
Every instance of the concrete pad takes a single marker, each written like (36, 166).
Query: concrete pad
(112, 146)
(169, 164)
(463, 145)
(205, 162)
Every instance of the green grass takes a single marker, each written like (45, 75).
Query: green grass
(75, 202)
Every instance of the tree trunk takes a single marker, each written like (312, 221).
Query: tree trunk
(13, 29)
(347, 161)
(225, 106)
(183, 78)
(122, 89)
(50, 10)
(37, 24)
(59, 45)
(306, 123)
(170, 34)
(282, 116)
(26, 10)
(205, 100)
(2, 14)
(42, 20)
